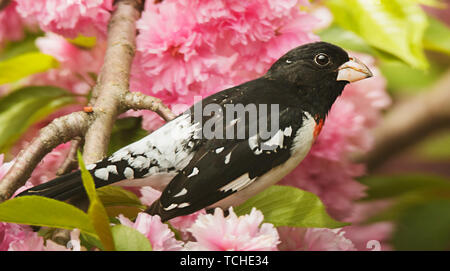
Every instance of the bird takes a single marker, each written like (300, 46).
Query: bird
(199, 159)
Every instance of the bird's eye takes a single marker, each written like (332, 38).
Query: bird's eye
(322, 59)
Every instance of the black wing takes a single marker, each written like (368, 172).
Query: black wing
(222, 167)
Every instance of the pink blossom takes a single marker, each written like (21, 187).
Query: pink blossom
(22, 238)
(149, 195)
(365, 235)
(11, 25)
(217, 232)
(362, 235)
(314, 239)
(68, 18)
(159, 234)
(47, 168)
(181, 223)
(75, 64)
(324, 15)
(27, 240)
(9, 233)
(70, 55)
(327, 171)
(197, 53)
(4, 167)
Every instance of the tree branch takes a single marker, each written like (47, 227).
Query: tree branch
(71, 161)
(4, 4)
(110, 97)
(409, 122)
(113, 80)
(138, 101)
(60, 130)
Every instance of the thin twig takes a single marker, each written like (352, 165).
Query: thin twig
(139, 101)
(71, 162)
(4, 4)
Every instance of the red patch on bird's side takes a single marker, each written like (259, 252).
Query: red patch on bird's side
(318, 128)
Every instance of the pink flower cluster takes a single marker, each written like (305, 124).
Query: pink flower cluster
(68, 18)
(187, 48)
(75, 64)
(11, 24)
(313, 239)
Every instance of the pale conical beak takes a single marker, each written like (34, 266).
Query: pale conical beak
(353, 70)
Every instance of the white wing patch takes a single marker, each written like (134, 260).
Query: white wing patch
(101, 173)
(128, 173)
(194, 172)
(183, 205)
(238, 184)
(181, 193)
(163, 147)
(227, 158)
(140, 162)
(170, 207)
(112, 169)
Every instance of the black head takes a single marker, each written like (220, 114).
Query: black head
(319, 71)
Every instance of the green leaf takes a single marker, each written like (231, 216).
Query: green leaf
(424, 227)
(435, 147)
(125, 132)
(25, 106)
(129, 239)
(90, 242)
(406, 79)
(381, 187)
(406, 201)
(117, 196)
(96, 211)
(120, 201)
(289, 206)
(404, 192)
(350, 41)
(83, 41)
(396, 27)
(16, 48)
(41, 211)
(437, 36)
(23, 65)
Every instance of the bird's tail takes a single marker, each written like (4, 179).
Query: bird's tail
(61, 188)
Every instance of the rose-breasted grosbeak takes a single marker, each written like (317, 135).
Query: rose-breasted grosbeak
(205, 172)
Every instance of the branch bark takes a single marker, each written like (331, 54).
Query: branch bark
(110, 98)
(409, 122)
(4, 4)
(113, 80)
(139, 101)
(70, 163)
(60, 130)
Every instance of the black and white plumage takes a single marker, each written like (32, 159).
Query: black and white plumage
(219, 172)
